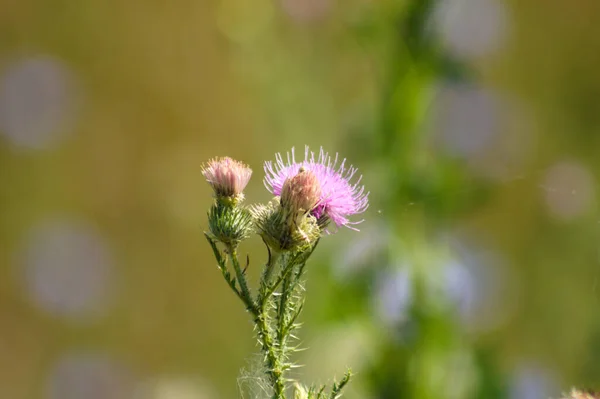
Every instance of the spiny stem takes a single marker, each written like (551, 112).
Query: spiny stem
(290, 306)
(282, 311)
(241, 278)
(223, 267)
(272, 361)
(266, 288)
(272, 332)
(336, 391)
(265, 335)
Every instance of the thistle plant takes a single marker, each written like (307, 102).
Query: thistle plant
(309, 195)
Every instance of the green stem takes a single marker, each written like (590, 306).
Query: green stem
(265, 335)
(272, 361)
(241, 278)
(290, 281)
(222, 264)
(282, 313)
(336, 391)
(259, 311)
(266, 288)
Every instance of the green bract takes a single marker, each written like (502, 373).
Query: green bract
(229, 224)
(284, 229)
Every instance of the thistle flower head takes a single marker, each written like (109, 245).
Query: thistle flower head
(227, 177)
(339, 196)
(301, 192)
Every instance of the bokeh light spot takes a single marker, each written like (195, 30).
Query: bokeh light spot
(89, 376)
(175, 388)
(306, 10)
(466, 119)
(472, 28)
(568, 190)
(393, 296)
(37, 102)
(68, 270)
(532, 382)
(360, 252)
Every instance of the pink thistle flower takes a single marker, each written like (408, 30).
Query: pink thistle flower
(339, 197)
(227, 177)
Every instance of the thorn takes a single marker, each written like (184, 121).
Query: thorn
(247, 264)
(300, 349)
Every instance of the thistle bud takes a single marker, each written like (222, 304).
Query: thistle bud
(301, 192)
(227, 177)
(228, 222)
(282, 230)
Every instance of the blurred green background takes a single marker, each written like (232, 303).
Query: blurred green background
(475, 126)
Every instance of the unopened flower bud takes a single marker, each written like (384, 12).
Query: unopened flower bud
(228, 222)
(283, 230)
(301, 192)
(227, 177)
